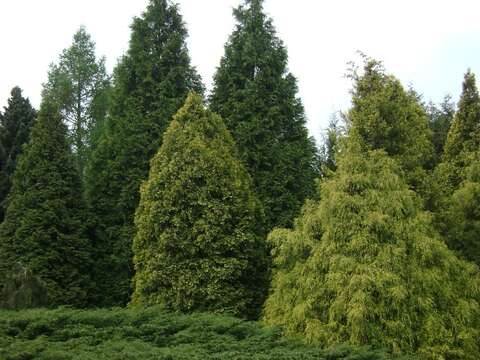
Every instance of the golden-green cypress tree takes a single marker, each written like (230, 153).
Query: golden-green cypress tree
(365, 266)
(199, 246)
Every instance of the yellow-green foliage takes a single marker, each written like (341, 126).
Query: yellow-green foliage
(364, 266)
(198, 244)
(385, 116)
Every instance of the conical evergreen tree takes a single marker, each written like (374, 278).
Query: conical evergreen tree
(15, 126)
(150, 84)
(43, 227)
(385, 116)
(456, 209)
(198, 245)
(364, 266)
(463, 137)
(465, 130)
(257, 98)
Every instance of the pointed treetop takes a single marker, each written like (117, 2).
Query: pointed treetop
(464, 134)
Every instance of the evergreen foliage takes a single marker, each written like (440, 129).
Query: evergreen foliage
(257, 98)
(456, 207)
(332, 142)
(80, 86)
(15, 126)
(441, 118)
(464, 133)
(462, 218)
(364, 266)
(198, 246)
(150, 84)
(151, 334)
(43, 227)
(385, 116)
(23, 290)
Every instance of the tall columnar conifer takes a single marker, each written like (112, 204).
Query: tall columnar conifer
(43, 226)
(198, 245)
(150, 84)
(365, 266)
(15, 126)
(257, 98)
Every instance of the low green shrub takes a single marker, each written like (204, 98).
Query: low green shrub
(152, 334)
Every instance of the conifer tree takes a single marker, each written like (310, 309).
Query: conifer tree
(441, 118)
(257, 98)
(463, 137)
(15, 126)
(365, 266)
(43, 227)
(79, 84)
(464, 133)
(150, 84)
(456, 208)
(198, 246)
(385, 116)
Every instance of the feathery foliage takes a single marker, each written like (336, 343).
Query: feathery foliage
(364, 266)
(385, 116)
(198, 246)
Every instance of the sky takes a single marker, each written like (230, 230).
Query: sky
(426, 44)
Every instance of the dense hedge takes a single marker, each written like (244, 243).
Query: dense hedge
(152, 334)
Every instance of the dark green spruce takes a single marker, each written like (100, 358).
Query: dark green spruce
(257, 98)
(151, 83)
(15, 126)
(43, 226)
(198, 245)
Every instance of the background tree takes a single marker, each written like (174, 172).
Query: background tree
(79, 84)
(456, 209)
(198, 246)
(365, 266)
(331, 143)
(150, 84)
(257, 98)
(43, 226)
(441, 118)
(15, 126)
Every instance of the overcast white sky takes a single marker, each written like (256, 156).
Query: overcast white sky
(428, 44)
